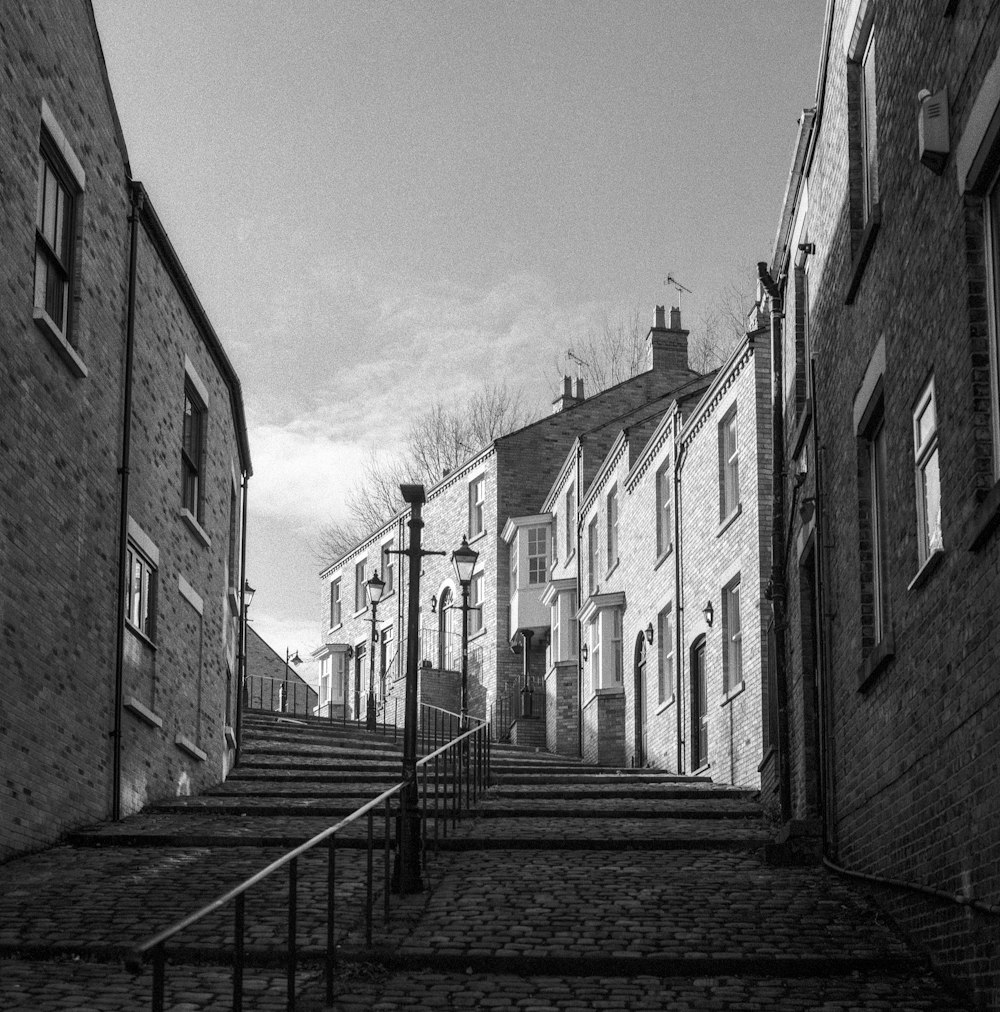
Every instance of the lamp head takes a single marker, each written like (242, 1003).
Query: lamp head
(374, 588)
(464, 560)
(709, 614)
(248, 592)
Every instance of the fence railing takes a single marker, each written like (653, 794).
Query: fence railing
(449, 780)
(267, 692)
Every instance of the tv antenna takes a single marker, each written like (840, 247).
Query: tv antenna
(570, 354)
(674, 283)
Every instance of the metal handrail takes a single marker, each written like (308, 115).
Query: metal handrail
(466, 776)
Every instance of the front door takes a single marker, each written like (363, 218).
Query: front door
(699, 707)
(640, 701)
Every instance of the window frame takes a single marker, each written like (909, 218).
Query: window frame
(664, 510)
(336, 603)
(360, 601)
(141, 619)
(570, 521)
(388, 567)
(926, 450)
(665, 655)
(611, 516)
(593, 554)
(992, 237)
(477, 585)
(868, 123)
(477, 506)
(732, 636)
(53, 165)
(193, 453)
(729, 464)
(535, 531)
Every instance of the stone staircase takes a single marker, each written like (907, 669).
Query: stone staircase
(573, 888)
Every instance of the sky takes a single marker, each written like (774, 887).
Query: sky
(381, 204)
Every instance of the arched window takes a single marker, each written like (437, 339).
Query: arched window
(446, 625)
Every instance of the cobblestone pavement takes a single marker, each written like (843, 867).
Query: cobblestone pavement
(658, 898)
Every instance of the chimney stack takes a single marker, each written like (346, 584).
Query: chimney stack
(667, 350)
(567, 399)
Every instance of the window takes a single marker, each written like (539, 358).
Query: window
(55, 226)
(732, 637)
(665, 655)
(612, 518)
(513, 566)
(616, 644)
(388, 567)
(874, 536)
(475, 604)
(570, 521)
(386, 656)
(592, 554)
(335, 614)
(664, 511)
(233, 535)
(869, 150)
(477, 499)
(140, 592)
(193, 454)
(359, 586)
(928, 474)
(800, 378)
(729, 466)
(595, 654)
(538, 554)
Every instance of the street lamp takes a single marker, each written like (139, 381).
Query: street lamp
(464, 561)
(373, 588)
(296, 660)
(248, 592)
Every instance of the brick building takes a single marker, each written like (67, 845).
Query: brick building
(125, 460)
(508, 481)
(275, 681)
(887, 563)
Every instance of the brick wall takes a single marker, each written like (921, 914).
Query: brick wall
(910, 774)
(562, 712)
(603, 728)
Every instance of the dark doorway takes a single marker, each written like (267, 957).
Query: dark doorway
(640, 702)
(699, 706)
(359, 664)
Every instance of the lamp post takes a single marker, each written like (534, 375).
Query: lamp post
(296, 660)
(464, 561)
(241, 667)
(374, 589)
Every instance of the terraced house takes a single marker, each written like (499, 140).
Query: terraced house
(887, 585)
(125, 462)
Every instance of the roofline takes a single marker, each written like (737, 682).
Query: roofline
(178, 275)
(119, 134)
(793, 189)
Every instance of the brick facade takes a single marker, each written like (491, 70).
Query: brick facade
(63, 402)
(890, 662)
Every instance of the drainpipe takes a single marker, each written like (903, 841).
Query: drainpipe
(579, 595)
(678, 604)
(827, 767)
(137, 197)
(241, 665)
(777, 540)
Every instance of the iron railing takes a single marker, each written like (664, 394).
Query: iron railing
(449, 780)
(278, 695)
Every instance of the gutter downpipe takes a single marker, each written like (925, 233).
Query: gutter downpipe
(579, 595)
(777, 540)
(242, 662)
(137, 196)
(678, 605)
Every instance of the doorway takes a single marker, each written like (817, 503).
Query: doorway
(641, 745)
(359, 664)
(699, 706)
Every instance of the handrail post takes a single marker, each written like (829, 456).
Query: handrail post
(369, 871)
(159, 962)
(293, 876)
(386, 871)
(331, 948)
(239, 927)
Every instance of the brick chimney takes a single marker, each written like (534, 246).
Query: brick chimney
(567, 398)
(667, 350)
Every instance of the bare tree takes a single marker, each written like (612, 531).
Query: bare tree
(722, 326)
(437, 441)
(608, 354)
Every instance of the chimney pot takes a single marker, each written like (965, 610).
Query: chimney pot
(675, 318)
(567, 386)
(579, 388)
(659, 319)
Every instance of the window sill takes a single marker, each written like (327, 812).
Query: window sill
(58, 341)
(144, 713)
(186, 745)
(724, 526)
(984, 520)
(473, 538)
(359, 612)
(607, 575)
(196, 529)
(140, 635)
(925, 572)
(334, 628)
(478, 634)
(876, 662)
(864, 252)
(663, 558)
(234, 601)
(704, 768)
(733, 692)
(230, 737)
(664, 706)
